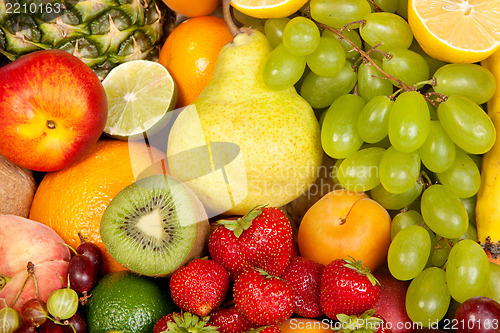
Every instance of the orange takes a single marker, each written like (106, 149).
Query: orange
(455, 30)
(73, 199)
(193, 8)
(306, 325)
(190, 53)
(345, 224)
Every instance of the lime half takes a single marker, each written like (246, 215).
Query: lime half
(140, 94)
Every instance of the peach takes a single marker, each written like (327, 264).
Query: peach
(23, 240)
(50, 276)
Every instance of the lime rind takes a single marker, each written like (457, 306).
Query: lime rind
(140, 93)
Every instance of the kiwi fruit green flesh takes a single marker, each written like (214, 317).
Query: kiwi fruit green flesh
(155, 226)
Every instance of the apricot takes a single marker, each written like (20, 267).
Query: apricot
(345, 224)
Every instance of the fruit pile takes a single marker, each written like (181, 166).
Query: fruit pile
(249, 166)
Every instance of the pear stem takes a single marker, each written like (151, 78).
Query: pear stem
(226, 12)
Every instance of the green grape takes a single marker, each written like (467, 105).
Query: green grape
(427, 298)
(470, 207)
(467, 124)
(301, 36)
(339, 136)
(470, 80)
(338, 13)
(388, 6)
(62, 303)
(408, 252)
(493, 288)
(335, 171)
(405, 219)
(409, 122)
(471, 234)
(439, 253)
(371, 82)
(388, 29)
(384, 143)
(406, 65)
(350, 34)
(393, 201)
(438, 151)
(433, 64)
(374, 118)
(10, 320)
(359, 171)
(246, 20)
(328, 59)
(320, 92)
(467, 270)
(462, 177)
(443, 212)
(402, 9)
(478, 159)
(283, 69)
(399, 170)
(273, 29)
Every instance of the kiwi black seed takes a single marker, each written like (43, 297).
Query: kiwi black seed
(154, 226)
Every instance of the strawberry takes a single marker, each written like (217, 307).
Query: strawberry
(262, 238)
(304, 275)
(200, 286)
(367, 322)
(183, 322)
(347, 287)
(263, 299)
(230, 320)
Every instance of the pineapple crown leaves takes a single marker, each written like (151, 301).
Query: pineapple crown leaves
(361, 268)
(364, 323)
(187, 322)
(242, 223)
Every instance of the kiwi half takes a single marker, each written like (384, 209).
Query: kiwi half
(155, 226)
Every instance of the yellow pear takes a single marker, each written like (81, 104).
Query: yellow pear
(242, 144)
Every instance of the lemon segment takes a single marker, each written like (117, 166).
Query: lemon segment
(456, 31)
(268, 8)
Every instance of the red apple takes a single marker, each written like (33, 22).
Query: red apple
(53, 109)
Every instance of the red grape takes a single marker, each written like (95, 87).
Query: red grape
(478, 315)
(34, 312)
(81, 273)
(51, 327)
(93, 252)
(26, 328)
(78, 322)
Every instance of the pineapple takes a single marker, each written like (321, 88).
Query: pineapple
(102, 33)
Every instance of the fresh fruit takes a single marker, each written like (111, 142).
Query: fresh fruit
(488, 228)
(268, 9)
(82, 275)
(70, 207)
(102, 34)
(265, 329)
(24, 241)
(304, 275)
(190, 53)
(34, 312)
(120, 296)
(154, 226)
(91, 251)
(391, 304)
(62, 303)
(140, 94)
(427, 297)
(368, 322)
(262, 238)
(251, 139)
(53, 107)
(193, 8)
(339, 13)
(17, 189)
(230, 320)
(199, 287)
(458, 32)
(478, 315)
(10, 320)
(348, 288)
(263, 299)
(342, 224)
(183, 322)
